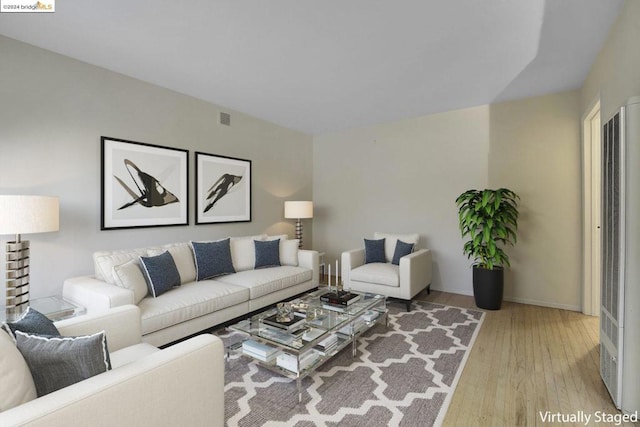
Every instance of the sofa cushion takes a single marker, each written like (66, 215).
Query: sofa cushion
(390, 242)
(265, 281)
(402, 249)
(16, 386)
(212, 259)
(289, 252)
(267, 253)
(189, 301)
(378, 273)
(32, 322)
(104, 261)
(57, 362)
(182, 256)
(160, 272)
(243, 251)
(373, 251)
(130, 276)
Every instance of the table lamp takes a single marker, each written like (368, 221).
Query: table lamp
(298, 211)
(23, 215)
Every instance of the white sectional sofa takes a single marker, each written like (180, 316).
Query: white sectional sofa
(194, 305)
(179, 385)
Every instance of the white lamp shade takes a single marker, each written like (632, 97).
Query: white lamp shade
(297, 210)
(29, 214)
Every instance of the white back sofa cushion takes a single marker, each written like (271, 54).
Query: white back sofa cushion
(182, 256)
(243, 253)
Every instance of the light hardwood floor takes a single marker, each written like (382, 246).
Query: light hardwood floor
(527, 360)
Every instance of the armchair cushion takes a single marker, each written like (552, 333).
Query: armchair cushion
(374, 251)
(32, 321)
(402, 249)
(17, 385)
(378, 273)
(57, 362)
(391, 239)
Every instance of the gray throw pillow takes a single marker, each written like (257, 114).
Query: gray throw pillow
(32, 322)
(160, 272)
(401, 250)
(267, 253)
(374, 251)
(212, 259)
(57, 362)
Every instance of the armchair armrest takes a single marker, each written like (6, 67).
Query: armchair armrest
(121, 324)
(180, 385)
(311, 260)
(350, 260)
(415, 272)
(94, 294)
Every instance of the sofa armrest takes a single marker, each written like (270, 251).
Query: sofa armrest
(311, 260)
(121, 324)
(415, 271)
(94, 294)
(180, 385)
(350, 260)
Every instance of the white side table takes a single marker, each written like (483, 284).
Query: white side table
(54, 307)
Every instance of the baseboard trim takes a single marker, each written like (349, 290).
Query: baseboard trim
(544, 303)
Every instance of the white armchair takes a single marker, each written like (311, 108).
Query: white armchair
(403, 281)
(179, 385)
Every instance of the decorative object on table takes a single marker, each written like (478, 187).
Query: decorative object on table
(340, 298)
(298, 210)
(490, 219)
(223, 189)
(285, 312)
(289, 324)
(143, 185)
(23, 215)
(422, 385)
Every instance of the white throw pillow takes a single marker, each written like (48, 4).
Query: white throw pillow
(277, 236)
(104, 261)
(129, 276)
(289, 252)
(17, 386)
(391, 239)
(183, 257)
(243, 252)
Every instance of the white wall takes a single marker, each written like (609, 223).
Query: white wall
(54, 109)
(405, 177)
(402, 177)
(615, 75)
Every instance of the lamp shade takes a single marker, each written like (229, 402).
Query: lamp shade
(29, 214)
(297, 210)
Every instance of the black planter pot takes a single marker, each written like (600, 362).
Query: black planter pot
(488, 286)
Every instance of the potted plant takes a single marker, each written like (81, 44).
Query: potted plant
(490, 219)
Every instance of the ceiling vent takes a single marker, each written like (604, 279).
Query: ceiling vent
(225, 119)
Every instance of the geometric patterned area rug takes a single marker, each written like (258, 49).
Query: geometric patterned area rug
(403, 375)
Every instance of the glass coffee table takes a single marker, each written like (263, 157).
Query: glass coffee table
(322, 330)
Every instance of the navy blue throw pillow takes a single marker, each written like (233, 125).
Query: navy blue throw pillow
(374, 251)
(402, 249)
(212, 259)
(160, 272)
(32, 322)
(267, 253)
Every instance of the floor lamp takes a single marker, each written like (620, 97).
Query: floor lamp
(23, 215)
(298, 211)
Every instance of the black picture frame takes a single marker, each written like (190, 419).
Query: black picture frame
(223, 189)
(142, 185)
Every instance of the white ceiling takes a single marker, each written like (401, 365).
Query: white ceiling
(321, 66)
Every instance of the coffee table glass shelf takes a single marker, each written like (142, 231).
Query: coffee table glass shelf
(325, 331)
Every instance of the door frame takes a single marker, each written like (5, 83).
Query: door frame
(591, 209)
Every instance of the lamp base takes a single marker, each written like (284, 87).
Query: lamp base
(17, 284)
(299, 233)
